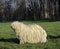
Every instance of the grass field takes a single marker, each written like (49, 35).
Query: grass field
(8, 39)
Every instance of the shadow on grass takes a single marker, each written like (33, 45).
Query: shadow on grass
(3, 47)
(53, 37)
(15, 40)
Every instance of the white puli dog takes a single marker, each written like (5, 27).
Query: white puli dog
(29, 33)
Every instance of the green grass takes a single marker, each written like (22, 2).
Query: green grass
(8, 39)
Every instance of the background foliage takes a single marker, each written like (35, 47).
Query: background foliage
(11, 10)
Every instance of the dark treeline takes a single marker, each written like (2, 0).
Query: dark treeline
(11, 10)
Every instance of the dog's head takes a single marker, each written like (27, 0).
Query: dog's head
(14, 25)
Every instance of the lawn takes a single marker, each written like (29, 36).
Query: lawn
(8, 38)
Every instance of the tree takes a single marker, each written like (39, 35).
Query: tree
(19, 13)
